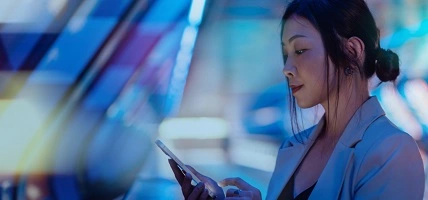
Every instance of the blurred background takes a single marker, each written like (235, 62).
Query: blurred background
(86, 86)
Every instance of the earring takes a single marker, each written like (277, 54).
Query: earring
(348, 71)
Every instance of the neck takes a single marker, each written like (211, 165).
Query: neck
(340, 111)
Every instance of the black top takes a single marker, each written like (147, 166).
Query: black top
(288, 191)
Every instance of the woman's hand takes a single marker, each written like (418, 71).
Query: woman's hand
(200, 191)
(244, 191)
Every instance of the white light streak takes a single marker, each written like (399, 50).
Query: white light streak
(417, 94)
(399, 113)
(193, 128)
(196, 12)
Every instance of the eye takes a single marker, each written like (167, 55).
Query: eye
(298, 52)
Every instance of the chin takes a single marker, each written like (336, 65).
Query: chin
(305, 104)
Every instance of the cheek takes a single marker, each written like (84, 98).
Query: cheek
(315, 71)
(315, 80)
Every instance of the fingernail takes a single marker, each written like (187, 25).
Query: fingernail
(221, 184)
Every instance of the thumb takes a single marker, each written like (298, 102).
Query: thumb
(197, 174)
(237, 182)
(211, 184)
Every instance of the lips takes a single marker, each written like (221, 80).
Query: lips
(295, 88)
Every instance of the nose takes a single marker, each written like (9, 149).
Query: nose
(289, 70)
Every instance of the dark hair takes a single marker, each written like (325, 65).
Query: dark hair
(339, 19)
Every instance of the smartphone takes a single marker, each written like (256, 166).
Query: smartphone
(181, 164)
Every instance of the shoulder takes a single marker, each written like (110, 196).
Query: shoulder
(382, 135)
(388, 158)
(384, 147)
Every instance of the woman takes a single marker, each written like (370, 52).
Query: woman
(331, 48)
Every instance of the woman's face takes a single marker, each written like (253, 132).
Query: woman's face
(305, 65)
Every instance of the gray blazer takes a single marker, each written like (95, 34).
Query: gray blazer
(373, 159)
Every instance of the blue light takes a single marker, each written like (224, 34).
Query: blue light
(400, 37)
(184, 57)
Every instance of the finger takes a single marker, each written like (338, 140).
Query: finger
(197, 191)
(244, 193)
(238, 182)
(177, 171)
(204, 195)
(238, 193)
(186, 185)
(236, 198)
(232, 192)
(201, 177)
(210, 184)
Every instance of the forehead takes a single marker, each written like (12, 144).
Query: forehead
(297, 25)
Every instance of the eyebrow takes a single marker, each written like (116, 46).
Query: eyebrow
(292, 38)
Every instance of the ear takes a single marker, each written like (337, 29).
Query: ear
(355, 47)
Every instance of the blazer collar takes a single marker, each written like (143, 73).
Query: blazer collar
(368, 112)
(289, 157)
(360, 121)
(292, 154)
(338, 164)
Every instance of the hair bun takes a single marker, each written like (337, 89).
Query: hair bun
(387, 65)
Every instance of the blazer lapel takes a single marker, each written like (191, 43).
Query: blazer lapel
(334, 173)
(287, 161)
